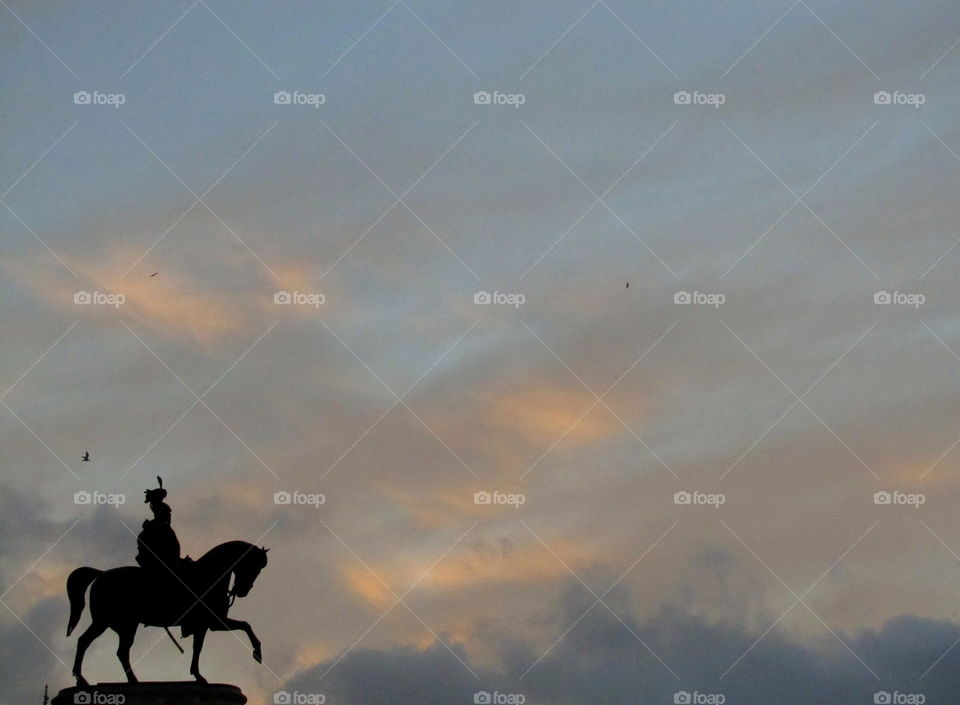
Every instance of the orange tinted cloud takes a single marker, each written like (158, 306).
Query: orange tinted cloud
(508, 425)
(169, 305)
(486, 564)
(293, 276)
(541, 413)
(440, 507)
(528, 563)
(364, 584)
(177, 303)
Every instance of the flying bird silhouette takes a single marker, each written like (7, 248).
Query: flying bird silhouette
(86, 457)
(154, 274)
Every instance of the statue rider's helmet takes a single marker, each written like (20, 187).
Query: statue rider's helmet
(161, 510)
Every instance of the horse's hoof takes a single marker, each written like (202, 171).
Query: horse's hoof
(257, 656)
(82, 682)
(200, 679)
(132, 679)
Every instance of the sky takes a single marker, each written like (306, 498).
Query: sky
(609, 352)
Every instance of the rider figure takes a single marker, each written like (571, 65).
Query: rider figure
(158, 548)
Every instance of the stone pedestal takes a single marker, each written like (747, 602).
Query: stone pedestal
(152, 693)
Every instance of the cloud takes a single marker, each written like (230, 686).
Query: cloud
(185, 301)
(25, 662)
(173, 305)
(603, 660)
(33, 620)
(508, 562)
(540, 413)
(366, 585)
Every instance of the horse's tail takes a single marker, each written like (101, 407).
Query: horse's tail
(77, 584)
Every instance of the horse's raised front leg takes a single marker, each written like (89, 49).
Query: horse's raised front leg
(198, 638)
(126, 633)
(91, 633)
(228, 624)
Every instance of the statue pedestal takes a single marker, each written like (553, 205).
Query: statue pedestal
(152, 693)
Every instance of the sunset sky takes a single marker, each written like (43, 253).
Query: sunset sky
(788, 200)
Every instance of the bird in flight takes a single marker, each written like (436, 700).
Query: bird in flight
(86, 457)
(154, 274)
(628, 285)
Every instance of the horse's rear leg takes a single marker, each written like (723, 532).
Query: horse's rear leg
(91, 633)
(126, 632)
(228, 624)
(198, 636)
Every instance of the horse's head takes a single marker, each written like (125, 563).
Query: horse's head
(247, 570)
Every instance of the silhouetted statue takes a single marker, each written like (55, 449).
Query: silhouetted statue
(165, 591)
(158, 548)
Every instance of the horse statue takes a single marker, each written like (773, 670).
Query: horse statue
(197, 601)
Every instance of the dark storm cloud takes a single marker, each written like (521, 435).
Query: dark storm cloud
(25, 661)
(601, 661)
